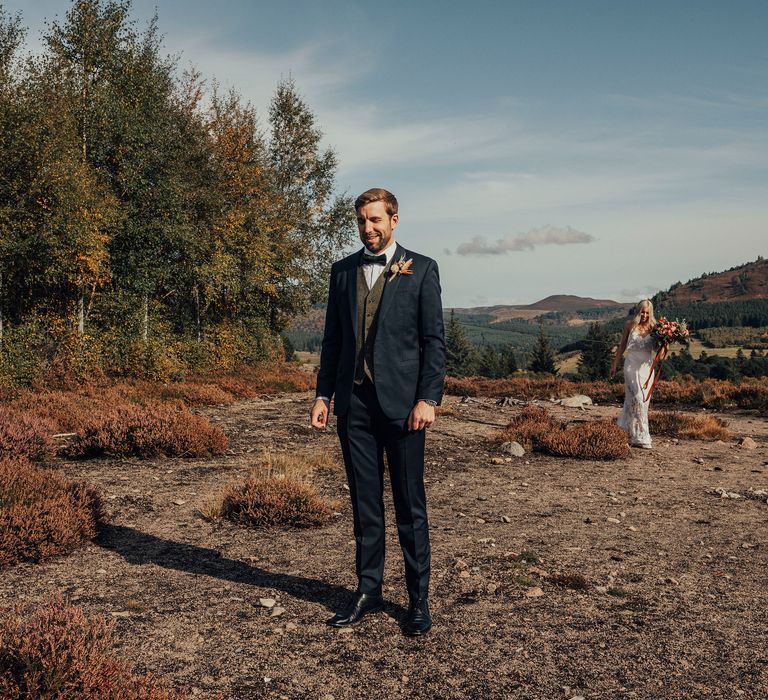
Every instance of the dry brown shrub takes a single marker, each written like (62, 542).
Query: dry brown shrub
(26, 435)
(688, 427)
(57, 652)
(528, 426)
(536, 429)
(600, 439)
(248, 382)
(147, 431)
(262, 502)
(459, 387)
(42, 514)
(197, 394)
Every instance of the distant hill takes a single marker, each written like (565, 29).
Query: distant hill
(741, 283)
(553, 303)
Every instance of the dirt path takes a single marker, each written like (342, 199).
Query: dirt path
(675, 603)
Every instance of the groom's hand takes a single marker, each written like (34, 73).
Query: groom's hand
(422, 416)
(318, 417)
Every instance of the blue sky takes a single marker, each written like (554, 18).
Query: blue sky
(605, 149)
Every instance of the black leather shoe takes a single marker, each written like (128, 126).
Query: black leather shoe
(362, 604)
(418, 620)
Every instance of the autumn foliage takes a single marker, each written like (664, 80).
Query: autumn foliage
(57, 652)
(42, 514)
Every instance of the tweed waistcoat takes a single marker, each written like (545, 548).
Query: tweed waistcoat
(368, 302)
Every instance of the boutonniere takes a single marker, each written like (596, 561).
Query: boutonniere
(401, 267)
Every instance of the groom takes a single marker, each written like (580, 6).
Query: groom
(383, 357)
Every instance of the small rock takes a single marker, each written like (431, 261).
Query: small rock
(120, 613)
(328, 696)
(276, 611)
(613, 520)
(291, 626)
(506, 519)
(267, 602)
(464, 574)
(698, 460)
(481, 521)
(460, 564)
(601, 589)
(632, 528)
(534, 592)
(747, 443)
(482, 498)
(492, 588)
(577, 401)
(497, 460)
(179, 502)
(513, 448)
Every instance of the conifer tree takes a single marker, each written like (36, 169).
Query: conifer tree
(542, 356)
(489, 362)
(596, 357)
(457, 348)
(508, 361)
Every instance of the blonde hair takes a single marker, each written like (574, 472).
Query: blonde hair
(645, 304)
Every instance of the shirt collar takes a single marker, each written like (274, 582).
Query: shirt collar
(389, 251)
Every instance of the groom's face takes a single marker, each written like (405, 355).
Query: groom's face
(375, 226)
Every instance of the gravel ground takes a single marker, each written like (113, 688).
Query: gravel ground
(669, 580)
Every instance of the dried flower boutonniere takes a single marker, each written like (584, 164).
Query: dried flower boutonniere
(400, 267)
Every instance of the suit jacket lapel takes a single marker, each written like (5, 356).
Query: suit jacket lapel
(390, 286)
(352, 290)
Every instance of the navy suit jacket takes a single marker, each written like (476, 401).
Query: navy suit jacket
(409, 346)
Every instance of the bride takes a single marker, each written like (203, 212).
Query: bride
(639, 345)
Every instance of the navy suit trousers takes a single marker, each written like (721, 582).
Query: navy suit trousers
(366, 435)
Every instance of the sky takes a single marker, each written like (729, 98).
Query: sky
(600, 148)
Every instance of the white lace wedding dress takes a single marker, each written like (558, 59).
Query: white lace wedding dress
(638, 359)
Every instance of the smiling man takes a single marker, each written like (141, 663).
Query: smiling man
(383, 357)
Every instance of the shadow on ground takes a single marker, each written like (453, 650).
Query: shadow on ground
(141, 548)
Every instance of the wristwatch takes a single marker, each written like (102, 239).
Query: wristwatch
(429, 401)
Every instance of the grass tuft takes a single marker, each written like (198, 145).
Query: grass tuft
(688, 426)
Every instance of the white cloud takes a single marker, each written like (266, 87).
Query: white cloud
(544, 235)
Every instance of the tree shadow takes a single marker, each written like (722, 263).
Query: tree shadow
(141, 548)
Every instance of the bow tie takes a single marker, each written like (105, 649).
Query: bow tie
(375, 259)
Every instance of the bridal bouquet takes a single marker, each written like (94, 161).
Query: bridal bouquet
(665, 332)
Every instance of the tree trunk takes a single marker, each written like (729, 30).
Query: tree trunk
(81, 312)
(197, 313)
(145, 324)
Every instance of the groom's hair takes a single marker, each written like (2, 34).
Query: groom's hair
(378, 194)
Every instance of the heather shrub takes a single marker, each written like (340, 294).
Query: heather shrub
(528, 426)
(194, 394)
(42, 514)
(688, 427)
(147, 431)
(600, 439)
(536, 429)
(57, 652)
(25, 435)
(261, 502)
